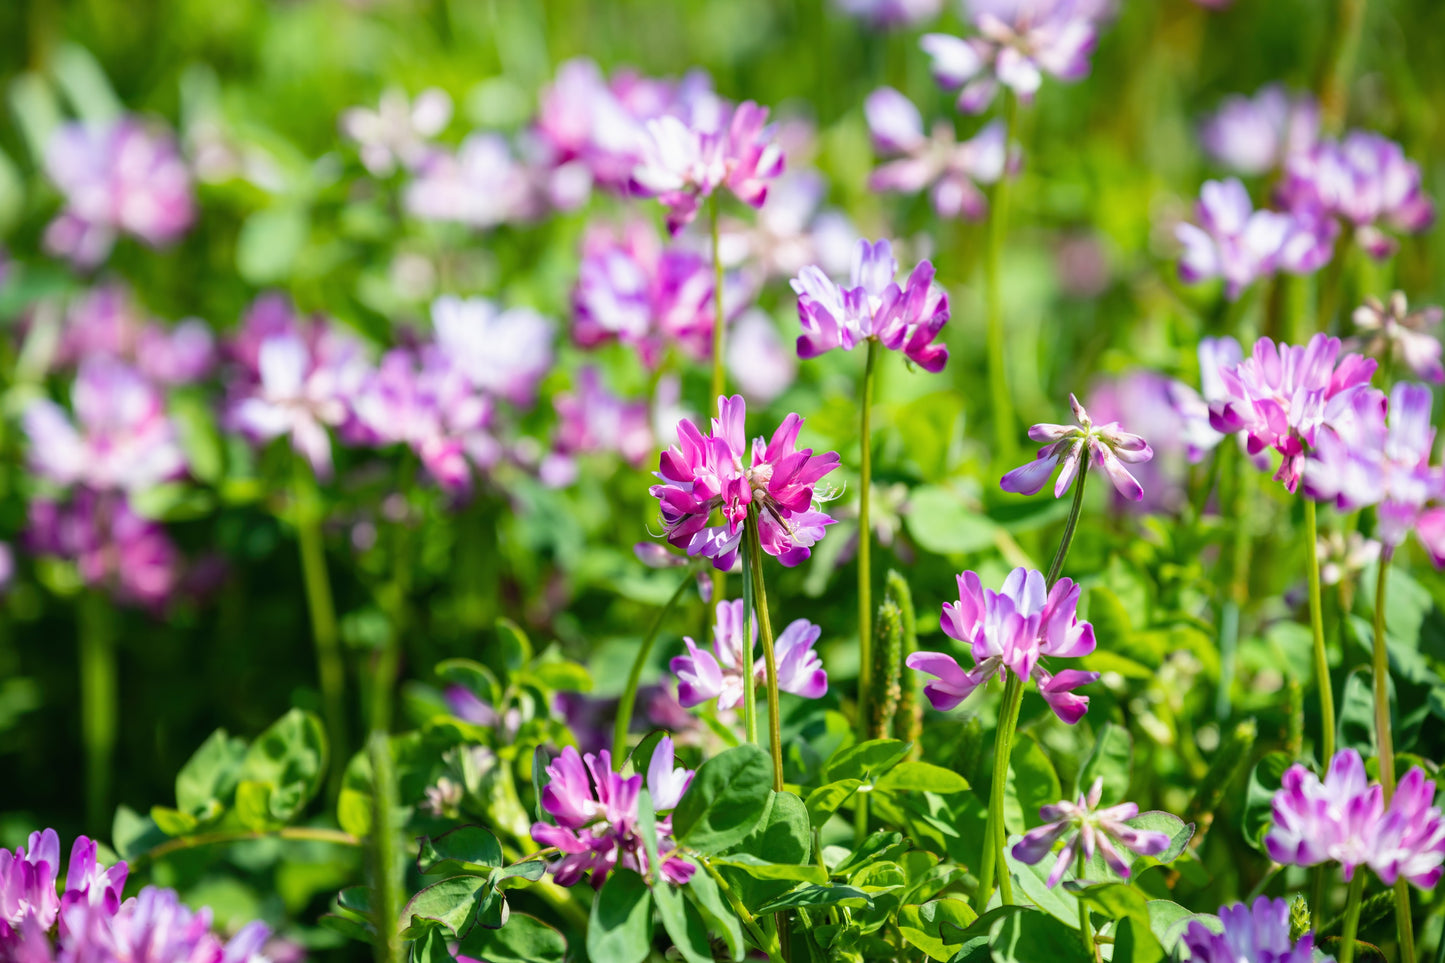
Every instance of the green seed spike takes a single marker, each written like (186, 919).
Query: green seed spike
(1230, 761)
(887, 646)
(1299, 919)
(908, 720)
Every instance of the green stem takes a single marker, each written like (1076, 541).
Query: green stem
(1339, 64)
(1070, 526)
(1352, 916)
(764, 941)
(623, 724)
(750, 630)
(1404, 924)
(98, 720)
(1005, 444)
(1322, 663)
(995, 833)
(329, 667)
(865, 537)
(304, 833)
(770, 662)
(1086, 925)
(1386, 748)
(386, 885)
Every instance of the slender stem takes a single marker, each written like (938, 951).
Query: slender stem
(1352, 916)
(97, 704)
(719, 360)
(995, 833)
(750, 631)
(770, 662)
(1086, 925)
(1404, 924)
(1003, 421)
(1386, 748)
(1322, 663)
(306, 833)
(329, 667)
(386, 887)
(765, 942)
(865, 537)
(1339, 64)
(1070, 526)
(623, 723)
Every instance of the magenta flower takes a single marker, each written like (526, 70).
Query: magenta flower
(596, 816)
(1018, 43)
(1252, 934)
(29, 877)
(1168, 411)
(1282, 395)
(719, 674)
(129, 557)
(399, 131)
(593, 420)
(704, 473)
(117, 178)
(1239, 244)
(891, 14)
(873, 306)
(1089, 829)
(504, 352)
(1390, 331)
(682, 164)
(1106, 446)
(1013, 630)
(648, 296)
(1255, 135)
(121, 438)
(953, 169)
(1364, 180)
(105, 322)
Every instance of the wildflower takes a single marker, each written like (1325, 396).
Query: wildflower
(1167, 410)
(504, 352)
(1252, 934)
(1092, 829)
(758, 359)
(703, 675)
(873, 306)
(1239, 244)
(114, 549)
(891, 14)
(1282, 395)
(1344, 556)
(482, 185)
(953, 168)
(398, 131)
(789, 232)
(1012, 630)
(29, 878)
(682, 164)
(1255, 135)
(703, 473)
(105, 322)
(1108, 446)
(596, 815)
(1344, 820)
(118, 178)
(1395, 333)
(1018, 42)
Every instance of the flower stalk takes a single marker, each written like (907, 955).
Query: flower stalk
(98, 712)
(329, 667)
(623, 724)
(995, 833)
(865, 536)
(759, 605)
(1322, 664)
(719, 335)
(1386, 748)
(1352, 918)
(1086, 925)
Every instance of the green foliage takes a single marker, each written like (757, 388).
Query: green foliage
(728, 798)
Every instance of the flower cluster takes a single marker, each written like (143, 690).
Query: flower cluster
(1012, 630)
(113, 548)
(1090, 830)
(705, 473)
(721, 674)
(398, 133)
(1259, 933)
(596, 815)
(1344, 820)
(888, 14)
(1256, 135)
(106, 323)
(1108, 446)
(1393, 333)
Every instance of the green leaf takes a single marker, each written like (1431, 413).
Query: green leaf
(1264, 782)
(784, 835)
(762, 869)
(815, 896)
(1135, 943)
(290, 758)
(865, 760)
(1168, 921)
(824, 801)
(269, 242)
(1032, 783)
(450, 902)
(1178, 831)
(84, 83)
(702, 890)
(1034, 937)
(173, 822)
(727, 800)
(516, 647)
(467, 849)
(683, 923)
(939, 521)
(133, 834)
(1111, 759)
(1032, 881)
(209, 777)
(432, 947)
(525, 939)
(918, 776)
(936, 927)
(471, 675)
(620, 928)
(195, 422)
(1356, 726)
(253, 804)
(353, 803)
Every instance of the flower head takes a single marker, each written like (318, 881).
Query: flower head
(1252, 934)
(1390, 331)
(1089, 829)
(29, 878)
(889, 14)
(1013, 630)
(130, 557)
(399, 130)
(704, 675)
(703, 473)
(504, 352)
(596, 815)
(1108, 446)
(483, 184)
(873, 306)
(1255, 135)
(106, 323)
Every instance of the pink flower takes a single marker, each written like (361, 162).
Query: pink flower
(593, 420)
(129, 557)
(891, 14)
(482, 185)
(1392, 332)
(703, 473)
(105, 322)
(1012, 630)
(28, 879)
(398, 132)
(1282, 395)
(873, 306)
(1255, 135)
(758, 359)
(596, 815)
(118, 177)
(1089, 829)
(719, 674)
(504, 352)
(1107, 446)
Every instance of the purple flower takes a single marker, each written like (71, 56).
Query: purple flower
(906, 319)
(633, 288)
(1013, 629)
(1239, 244)
(594, 420)
(398, 131)
(758, 359)
(596, 815)
(121, 438)
(29, 877)
(1252, 934)
(1366, 181)
(1106, 446)
(1089, 828)
(105, 322)
(683, 163)
(890, 14)
(719, 674)
(1282, 395)
(1255, 135)
(114, 549)
(952, 168)
(482, 185)
(1409, 840)
(1018, 42)
(1395, 333)
(1169, 411)
(505, 353)
(704, 473)
(788, 233)
(117, 177)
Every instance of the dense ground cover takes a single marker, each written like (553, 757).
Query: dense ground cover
(1039, 561)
